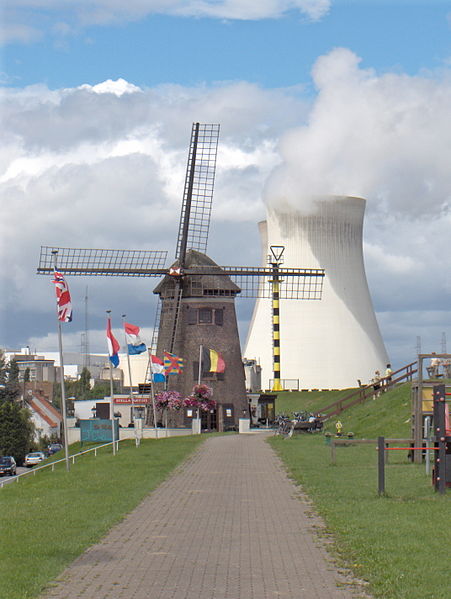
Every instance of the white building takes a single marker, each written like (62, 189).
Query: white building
(334, 342)
(45, 417)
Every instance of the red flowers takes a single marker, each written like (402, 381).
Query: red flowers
(200, 398)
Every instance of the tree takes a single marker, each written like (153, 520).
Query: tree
(16, 430)
(81, 389)
(3, 377)
(102, 389)
(9, 380)
(84, 384)
(16, 427)
(13, 384)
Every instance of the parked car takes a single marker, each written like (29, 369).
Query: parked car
(7, 465)
(31, 459)
(54, 447)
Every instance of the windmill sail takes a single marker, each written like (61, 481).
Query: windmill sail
(197, 296)
(198, 192)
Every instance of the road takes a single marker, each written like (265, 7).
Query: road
(4, 480)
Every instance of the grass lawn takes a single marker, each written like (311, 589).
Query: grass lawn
(288, 402)
(398, 543)
(47, 520)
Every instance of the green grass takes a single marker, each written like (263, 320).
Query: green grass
(398, 543)
(288, 402)
(47, 520)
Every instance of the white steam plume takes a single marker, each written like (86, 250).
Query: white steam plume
(382, 137)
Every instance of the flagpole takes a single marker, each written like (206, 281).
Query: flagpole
(152, 396)
(166, 378)
(132, 419)
(199, 376)
(112, 400)
(63, 391)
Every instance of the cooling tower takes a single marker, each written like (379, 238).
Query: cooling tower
(329, 343)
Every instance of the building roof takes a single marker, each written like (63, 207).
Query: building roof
(201, 285)
(44, 409)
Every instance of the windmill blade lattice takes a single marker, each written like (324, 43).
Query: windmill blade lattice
(297, 283)
(198, 192)
(98, 262)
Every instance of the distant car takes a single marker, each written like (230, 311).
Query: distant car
(31, 459)
(54, 447)
(7, 466)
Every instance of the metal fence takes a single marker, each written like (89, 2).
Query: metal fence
(52, 465)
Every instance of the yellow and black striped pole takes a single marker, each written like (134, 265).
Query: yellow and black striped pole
(275, 260)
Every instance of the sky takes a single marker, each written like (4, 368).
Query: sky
(98, 97)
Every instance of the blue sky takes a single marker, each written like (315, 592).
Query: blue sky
(403, 36)
(98, 101)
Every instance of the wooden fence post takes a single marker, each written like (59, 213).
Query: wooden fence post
(381, 465)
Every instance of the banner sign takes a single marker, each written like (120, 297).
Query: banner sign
(136, 400)
(98, 431)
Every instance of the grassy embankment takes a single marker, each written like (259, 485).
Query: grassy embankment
(47, 520)
(398, 543)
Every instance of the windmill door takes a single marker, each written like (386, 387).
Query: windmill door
(209, 420)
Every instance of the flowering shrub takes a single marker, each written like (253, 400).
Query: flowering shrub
(203, 392)
(191, 402)
(171, 400)
(201, 398)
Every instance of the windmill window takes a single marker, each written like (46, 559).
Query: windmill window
(192, 316)
(205, 315)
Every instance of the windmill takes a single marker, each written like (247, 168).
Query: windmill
(197, 296)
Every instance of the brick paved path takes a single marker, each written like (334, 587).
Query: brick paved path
(228, 524)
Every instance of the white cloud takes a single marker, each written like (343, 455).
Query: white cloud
(118, 87)
(391, 264)
(104, 166)
(68, 18)
(97, 339)
(14, 32)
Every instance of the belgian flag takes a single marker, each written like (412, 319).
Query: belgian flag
(212, 361)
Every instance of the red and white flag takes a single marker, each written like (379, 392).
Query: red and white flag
(157, 369)
(63, 300)
(113, 345)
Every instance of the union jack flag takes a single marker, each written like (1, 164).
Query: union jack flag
(63, 300)
(172, 364)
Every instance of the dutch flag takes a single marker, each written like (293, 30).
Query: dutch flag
(113, 345)
(157, 369)
(134, 343)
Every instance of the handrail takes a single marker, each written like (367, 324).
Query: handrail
(52, 464)
(361, 394)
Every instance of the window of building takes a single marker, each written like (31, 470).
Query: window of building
(206, 316)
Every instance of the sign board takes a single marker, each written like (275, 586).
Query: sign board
(427, 404)
(127, 400)
(98, 431)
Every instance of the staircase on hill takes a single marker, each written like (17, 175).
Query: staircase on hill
(366, 391)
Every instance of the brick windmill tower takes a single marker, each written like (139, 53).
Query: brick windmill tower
(197, 307)
(206, 318)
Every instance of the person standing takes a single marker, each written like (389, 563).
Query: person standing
(387, 375)
(376, 380)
